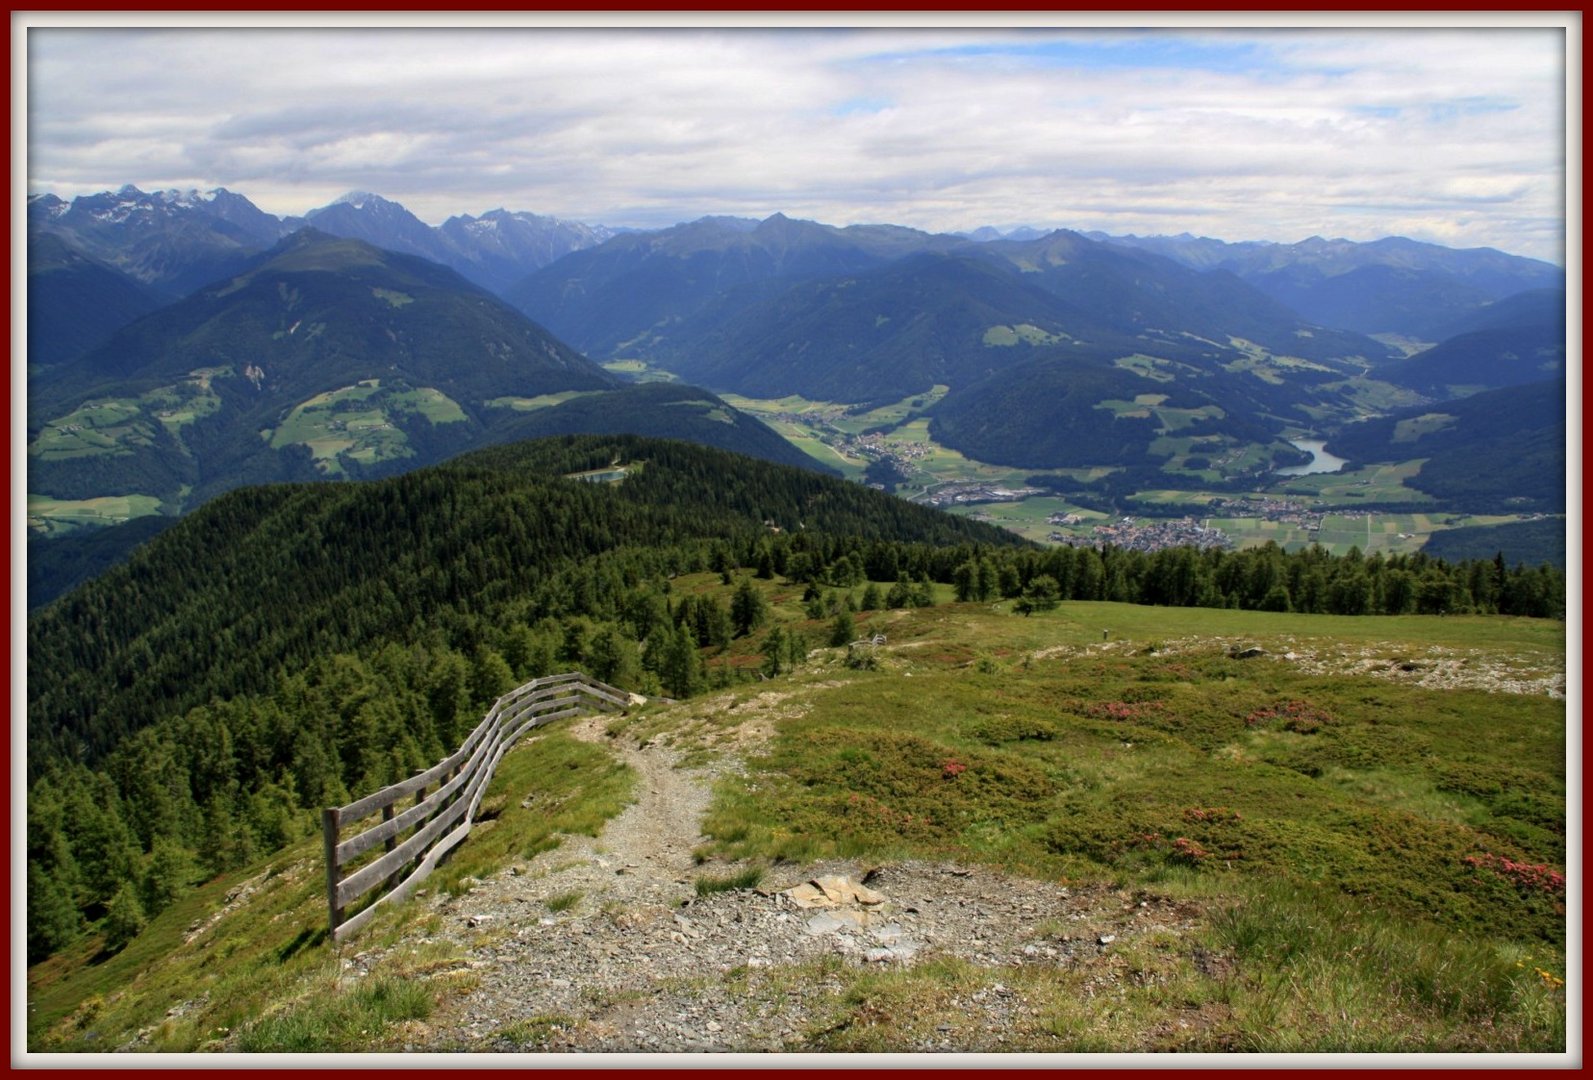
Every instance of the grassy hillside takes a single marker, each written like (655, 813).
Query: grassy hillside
(1361, 832)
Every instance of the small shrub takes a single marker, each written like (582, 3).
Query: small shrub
(1526, 876)
(1189, 852)
(1300, 717)
(861, 658)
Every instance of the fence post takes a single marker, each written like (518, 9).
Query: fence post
(329, 830)
(392, 842)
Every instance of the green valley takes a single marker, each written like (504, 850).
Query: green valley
(896, 441)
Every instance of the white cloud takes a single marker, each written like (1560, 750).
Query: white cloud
(1450, 136)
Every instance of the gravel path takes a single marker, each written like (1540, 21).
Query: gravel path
(604, 945)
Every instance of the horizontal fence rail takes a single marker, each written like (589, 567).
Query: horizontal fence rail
(437, 822)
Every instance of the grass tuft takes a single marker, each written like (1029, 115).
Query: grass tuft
(565, 901)
(743, 879)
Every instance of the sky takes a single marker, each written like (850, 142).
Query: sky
(1455, 136)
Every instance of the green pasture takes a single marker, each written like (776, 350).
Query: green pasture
(53, 517)
(110, 426)
(1002, 336)
(1028, 517)
(359, 421)
(1371, 483)
(1153, 367)
(640, 370)
(540, 401)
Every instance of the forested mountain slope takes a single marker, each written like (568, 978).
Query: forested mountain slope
(326, 357)
(271, 577)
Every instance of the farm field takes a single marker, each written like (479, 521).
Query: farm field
(100, 427)
(1029, 517)
(541, 401)
(110, 425)
(1373, 483)
(52, 517)
(639, 370)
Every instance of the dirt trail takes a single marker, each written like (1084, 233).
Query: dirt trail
(604, 945)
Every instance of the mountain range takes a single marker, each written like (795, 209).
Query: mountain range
(183, 343)
(177, 241)
(325, 357)
(1393, 285)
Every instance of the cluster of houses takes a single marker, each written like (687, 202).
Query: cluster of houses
(1133, 534)
(977, 492)
(1268, 509)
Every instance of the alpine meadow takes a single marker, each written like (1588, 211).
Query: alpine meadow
(1007, 621)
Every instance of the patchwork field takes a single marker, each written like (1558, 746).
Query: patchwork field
(98, 427)
(360, 421)
(823, 431)
(117, 425)
(1374, 483)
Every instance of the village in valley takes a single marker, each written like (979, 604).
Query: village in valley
(1145, 535)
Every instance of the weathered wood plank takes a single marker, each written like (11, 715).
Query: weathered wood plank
(371, 874)
(538, 721)
(362, 842)
(367, 876)
(612, 699)
(329, 826)
(368, 839)
(533, 704)
(360, 808)
(407, 886)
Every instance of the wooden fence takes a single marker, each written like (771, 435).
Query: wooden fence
(439, 821)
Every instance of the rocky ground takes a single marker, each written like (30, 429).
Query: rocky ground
(1436, 667)
(605, 944)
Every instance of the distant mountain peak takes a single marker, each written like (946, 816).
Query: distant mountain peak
(357, 199)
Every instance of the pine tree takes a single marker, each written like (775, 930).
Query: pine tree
(748, 609)
(124, 918)
(1041, 594)
(774, 653)
(682, 673)
(53, 919)
(171, 871)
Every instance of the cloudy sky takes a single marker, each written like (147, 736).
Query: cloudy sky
(1455, 136)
